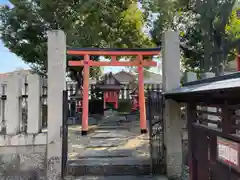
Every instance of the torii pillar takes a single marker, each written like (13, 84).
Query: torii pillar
(85, 95)
(142, 105)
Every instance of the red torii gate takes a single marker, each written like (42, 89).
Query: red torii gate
(138, 61)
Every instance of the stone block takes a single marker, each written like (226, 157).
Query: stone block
(23, 162)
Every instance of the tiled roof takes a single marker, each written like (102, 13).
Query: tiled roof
(124, 76)
(108, 76)
(216, 83)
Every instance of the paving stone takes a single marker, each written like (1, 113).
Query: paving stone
(132, 117)
(101, 131)
(110, 134)
(110, 127)
(105, 142)
(109, 113)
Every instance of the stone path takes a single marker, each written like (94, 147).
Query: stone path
(111, 139)
(116, 147)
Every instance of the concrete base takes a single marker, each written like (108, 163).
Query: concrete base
(84, 133)
(143, 131)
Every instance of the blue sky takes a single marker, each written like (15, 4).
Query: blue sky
(10, 62)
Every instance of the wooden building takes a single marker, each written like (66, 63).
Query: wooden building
(110, 87)
(213, 143)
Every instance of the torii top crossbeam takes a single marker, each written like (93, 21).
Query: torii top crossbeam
(139, 54)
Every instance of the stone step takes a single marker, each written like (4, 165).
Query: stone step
(130, 177)
(112, 153)
(109, 166)
(112, 161)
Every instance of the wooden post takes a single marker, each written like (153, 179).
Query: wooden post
(191, 117)
(227, 122)
(85, 96)
(116, 99)
(203, 163)
(213, 153)
(238, 59)
(143, 122)
(104, 100)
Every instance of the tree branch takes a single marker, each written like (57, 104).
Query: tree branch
(234, 44)
(187, 49)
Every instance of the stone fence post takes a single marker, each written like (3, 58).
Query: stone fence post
(56, 85)
(172, 116)
(34, 104)
(13, 107)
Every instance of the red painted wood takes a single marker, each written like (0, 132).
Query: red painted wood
(147, 63)
(238, 62)
(111, 97)
(114, 53)
(135, 102)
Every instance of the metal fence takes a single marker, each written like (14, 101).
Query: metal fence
(155, 105)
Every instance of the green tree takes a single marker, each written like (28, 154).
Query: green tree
(205, 42)
(214, 17)
(233, 32)
(91, 23)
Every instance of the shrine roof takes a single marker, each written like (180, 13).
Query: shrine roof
(108, 87)
(106, 77)
(217, 87)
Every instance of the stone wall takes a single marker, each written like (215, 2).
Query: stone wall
(23, 162)
(22, 138)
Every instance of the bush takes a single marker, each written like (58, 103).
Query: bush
(125, 106)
